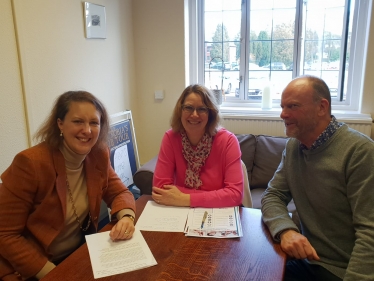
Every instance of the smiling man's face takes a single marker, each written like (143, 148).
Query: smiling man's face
(299, 111)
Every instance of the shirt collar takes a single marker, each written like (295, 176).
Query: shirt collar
(331, 128)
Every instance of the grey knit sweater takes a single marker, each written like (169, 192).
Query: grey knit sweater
(333, 190)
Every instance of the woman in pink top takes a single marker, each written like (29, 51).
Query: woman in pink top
(199, 161)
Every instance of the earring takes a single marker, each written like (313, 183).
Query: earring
(61, 134)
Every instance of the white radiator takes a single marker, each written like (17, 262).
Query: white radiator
(239, 125)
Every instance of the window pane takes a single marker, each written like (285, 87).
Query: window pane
(272, 33)
(261, 21)
(285, 4)
(220, 5)
(323, 44)
(258, 78)
(275, 54)
(222, 45)
(270, 4)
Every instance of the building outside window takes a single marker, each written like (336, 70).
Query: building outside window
(246, 45)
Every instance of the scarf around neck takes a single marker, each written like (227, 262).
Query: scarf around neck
(195, 158)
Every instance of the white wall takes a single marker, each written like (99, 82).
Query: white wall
(13, 132)
(159, 56)
(54, 57)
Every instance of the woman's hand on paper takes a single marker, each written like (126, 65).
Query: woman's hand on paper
(123, 229)
(170, 195)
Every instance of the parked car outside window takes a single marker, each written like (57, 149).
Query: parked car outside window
(276, 66)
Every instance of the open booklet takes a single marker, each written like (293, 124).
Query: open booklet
(214, 223)
(201, 222)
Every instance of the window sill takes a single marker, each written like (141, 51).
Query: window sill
(273, 114)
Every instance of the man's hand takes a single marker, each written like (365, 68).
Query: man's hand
(297, 246)
(170, 195)
(123, 229)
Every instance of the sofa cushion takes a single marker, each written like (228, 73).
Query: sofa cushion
(266, 159)
(247, 147)
(256, 197)
(143, 177)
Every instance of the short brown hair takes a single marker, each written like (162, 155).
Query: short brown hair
(208, 99)
(49, 130)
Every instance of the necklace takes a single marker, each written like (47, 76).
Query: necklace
(75, 210)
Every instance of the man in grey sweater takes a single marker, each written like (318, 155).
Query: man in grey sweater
(328, 170)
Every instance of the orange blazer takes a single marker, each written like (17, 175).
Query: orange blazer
(33, 203)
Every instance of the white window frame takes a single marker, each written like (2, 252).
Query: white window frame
(357, 63)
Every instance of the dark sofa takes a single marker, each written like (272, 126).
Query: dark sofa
(261, 155)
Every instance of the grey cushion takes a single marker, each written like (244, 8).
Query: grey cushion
(256, 197)
(247, 147)
(266, 160)
(143, 177)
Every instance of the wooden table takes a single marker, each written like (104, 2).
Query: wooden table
(251, 257)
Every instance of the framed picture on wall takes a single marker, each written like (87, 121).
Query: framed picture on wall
(95, 20)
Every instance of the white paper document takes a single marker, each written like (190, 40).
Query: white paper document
(157, 217)
(214, 223)
(110, 258)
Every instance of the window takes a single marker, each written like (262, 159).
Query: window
(247, 45)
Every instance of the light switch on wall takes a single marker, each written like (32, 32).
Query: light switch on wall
(159, 95)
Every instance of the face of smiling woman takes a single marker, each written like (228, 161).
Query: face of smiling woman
(80, 127)
(193, 123)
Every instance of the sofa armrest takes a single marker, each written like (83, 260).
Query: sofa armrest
(143, 177)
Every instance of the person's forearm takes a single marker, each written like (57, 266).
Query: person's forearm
(185, 200)
(216, 198)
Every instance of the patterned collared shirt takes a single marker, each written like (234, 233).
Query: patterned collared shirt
(325, 135)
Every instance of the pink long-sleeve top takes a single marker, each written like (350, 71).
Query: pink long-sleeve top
(222, 174)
